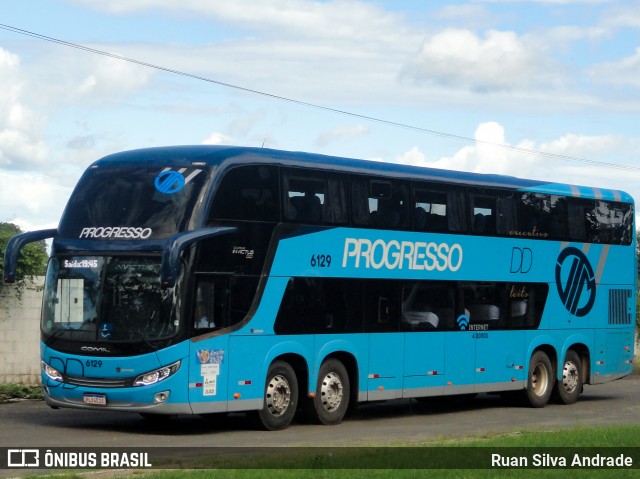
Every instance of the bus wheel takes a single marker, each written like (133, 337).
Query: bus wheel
(540, 380)
(332, 393)
(280, 397)
(569, 388)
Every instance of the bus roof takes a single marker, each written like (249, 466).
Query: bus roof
(223, 157)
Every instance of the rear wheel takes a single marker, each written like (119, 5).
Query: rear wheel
(280, 397)
(540, 380)
(569, 387)
(331, 400)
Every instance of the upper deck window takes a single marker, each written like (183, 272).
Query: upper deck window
(314, 197)
(380, 203)
(248, 193)
(128, 203)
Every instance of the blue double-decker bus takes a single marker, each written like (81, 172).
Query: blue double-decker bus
(196, 280)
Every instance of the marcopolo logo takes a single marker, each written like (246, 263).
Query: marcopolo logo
(170, 181)
(575, 281)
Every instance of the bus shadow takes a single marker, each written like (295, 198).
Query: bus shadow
(134, 424)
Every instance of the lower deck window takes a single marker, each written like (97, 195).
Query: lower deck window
(334, 305)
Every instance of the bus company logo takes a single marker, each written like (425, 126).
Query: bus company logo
(575, 281)
(170, 181)
(401, 255)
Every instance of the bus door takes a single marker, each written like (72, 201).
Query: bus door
(427, 310)
(497, 314)
(386, 342)
(209, 355)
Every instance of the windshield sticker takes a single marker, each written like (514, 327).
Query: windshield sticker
(170, 181)
(116, 232)
(83, 263)
(105, 331)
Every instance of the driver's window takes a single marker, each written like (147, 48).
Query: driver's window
(209, 305)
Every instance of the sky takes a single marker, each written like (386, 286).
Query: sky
(556, 81)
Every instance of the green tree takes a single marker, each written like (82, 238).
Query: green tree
(31, 263)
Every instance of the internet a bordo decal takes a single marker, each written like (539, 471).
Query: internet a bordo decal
(575, 281)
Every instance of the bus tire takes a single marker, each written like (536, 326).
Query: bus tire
(569, 387)
(540, 380)
(280, 397)
(331, 400)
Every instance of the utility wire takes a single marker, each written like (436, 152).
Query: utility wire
(574, 159)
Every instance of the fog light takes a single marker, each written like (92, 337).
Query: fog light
(161, 397)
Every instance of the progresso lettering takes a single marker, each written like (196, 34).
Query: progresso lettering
(360, 252)
(116, 232)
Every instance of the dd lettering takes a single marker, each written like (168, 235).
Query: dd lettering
(521, 260)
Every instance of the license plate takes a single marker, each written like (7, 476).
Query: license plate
(96, 399)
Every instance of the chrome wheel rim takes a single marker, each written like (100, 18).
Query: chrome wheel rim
(570, 378)
(331, 391)
(278, 396)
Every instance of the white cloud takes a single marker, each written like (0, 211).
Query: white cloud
(342, 133)
(487, 156)
(623, 72)
(345, 19)
(31, 200)
(217, 138)
(497, 61)
(20, 143)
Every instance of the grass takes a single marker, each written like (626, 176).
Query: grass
(11, 392)
(610, 440)
(389, 462)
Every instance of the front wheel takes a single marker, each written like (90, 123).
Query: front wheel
(569, 388)
(540, 380)
(280, 397)
(331, 400)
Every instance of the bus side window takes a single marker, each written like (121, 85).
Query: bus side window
(205, 313)
(429, 210)
(541, 216)
(247, 193)
(483, 209)
(380, 203)
(486, 303)
(382, 306)
(314, 198)
(612, 222)
(320, 306)
(428, 306)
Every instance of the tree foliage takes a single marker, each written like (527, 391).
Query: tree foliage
(32, 261)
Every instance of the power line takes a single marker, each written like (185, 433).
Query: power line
(516, 149)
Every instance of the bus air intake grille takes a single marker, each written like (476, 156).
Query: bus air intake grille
(619, 312)
(98, 382)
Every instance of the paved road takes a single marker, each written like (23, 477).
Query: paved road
(33, 424)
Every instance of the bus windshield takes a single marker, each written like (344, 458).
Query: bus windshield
(98, 298)
(125, 203)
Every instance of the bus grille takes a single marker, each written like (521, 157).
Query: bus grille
(619, 306)
(98, 382)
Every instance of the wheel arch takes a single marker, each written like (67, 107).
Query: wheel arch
(300, 367)
(582, 350)
(350, 362)
(551, 353)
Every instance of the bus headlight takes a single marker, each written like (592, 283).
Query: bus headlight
(51, 373)
(152, 377)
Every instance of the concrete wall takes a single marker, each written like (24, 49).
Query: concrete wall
(20, 335)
